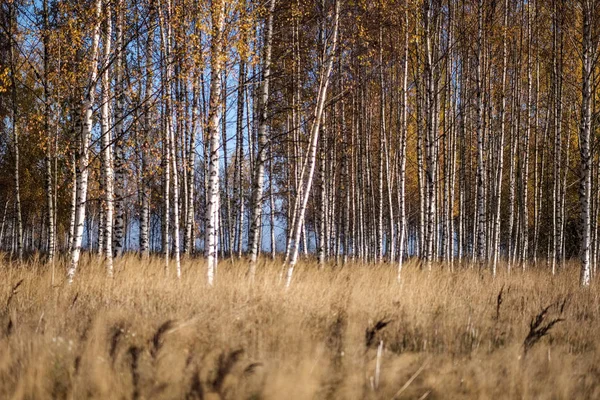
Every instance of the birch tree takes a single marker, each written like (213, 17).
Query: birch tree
(84, 133)
(585, 127)
(119, 167)
(481, 182)
(500, 167)
(145, 195)
(217, 13)
(106, 146)
(170, 159)
(12, 34)
(50, 203)
(402, 229)
(308, 168)
(256, 203)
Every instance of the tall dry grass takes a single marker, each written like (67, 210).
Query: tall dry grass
(440, 334)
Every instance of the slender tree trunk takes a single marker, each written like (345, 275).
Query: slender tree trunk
(584, 141)
(169, 135)
(239, 159)
(166, 139)
(3, 223)
(85, 134)
(106, 145)
(380, 156)
(212, 209)
(119, 162)
(556, 195)
(300, 209)
(500, 168)
(176, 216)
(49, 136)
(390, 242)
(403, 228)
(515, 116)
(226, 215)
(259, 168)
(145, 194)
(272, 203)
(481, 182)
(429, 16)
(191, 169)
(14, 125)
(453, 138)
(524, 254)
(321, 243)
(421, 171)
(73, 199)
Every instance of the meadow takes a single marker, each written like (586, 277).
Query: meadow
(350, 332)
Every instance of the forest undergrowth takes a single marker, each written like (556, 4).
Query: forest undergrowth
(350, 332)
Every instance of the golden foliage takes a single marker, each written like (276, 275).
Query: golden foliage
(4, 79)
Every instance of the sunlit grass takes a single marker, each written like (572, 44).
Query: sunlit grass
(146, 335)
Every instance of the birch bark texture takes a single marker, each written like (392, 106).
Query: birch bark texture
(212, 207)
(256, 203)
(84, 133)
(585, 185)
(106, 147)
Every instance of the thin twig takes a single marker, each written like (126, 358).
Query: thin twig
(408, 382)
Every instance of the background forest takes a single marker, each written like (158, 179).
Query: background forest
(447, 130)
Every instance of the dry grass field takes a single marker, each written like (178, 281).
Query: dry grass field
(447, 335)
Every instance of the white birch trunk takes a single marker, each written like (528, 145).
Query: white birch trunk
(481, 215)
(12, 32)
(212, 209)
(85, 134)
(170, 155)
(239, 159)
(176, 244)
(73, 199)
(191, 167)
(272, 204)
(312, 150)
(496, 240)
(430, 138)
(119, 133)
(259, 171)
(402, 229)
(166, 153)
(524, 256)
(106, 146)
(584, 142)
(145, 195)
(48, 159)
